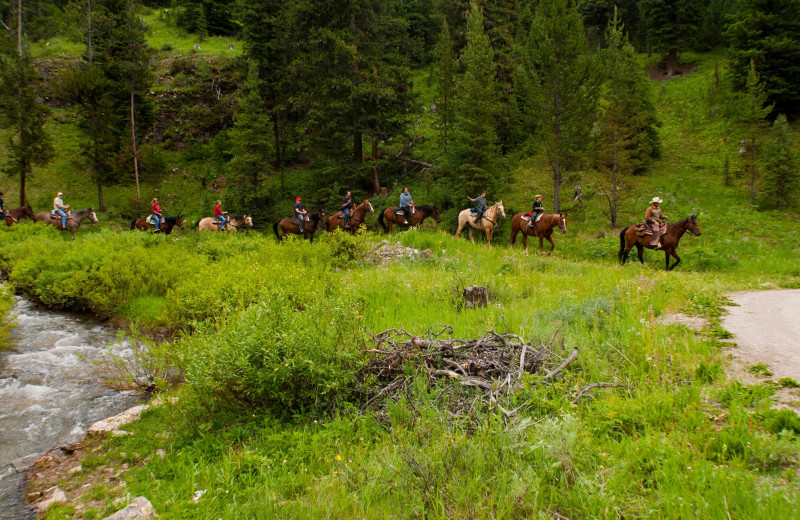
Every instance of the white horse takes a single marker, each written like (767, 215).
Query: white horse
(487, 223)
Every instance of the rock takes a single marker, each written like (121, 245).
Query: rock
(161, 453)
(112, 424)
(139, 509)
(118, 433)
(476, 296)
(76, 469)
(54, 495)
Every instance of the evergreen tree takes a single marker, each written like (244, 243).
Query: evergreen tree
(251, 141)
(671, 26)
(22, 111)
(751, 112)
(766, 32)
(445, 82)
(558, 83)
(781, 165)
(477, 105)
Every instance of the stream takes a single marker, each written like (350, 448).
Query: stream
(50, 392)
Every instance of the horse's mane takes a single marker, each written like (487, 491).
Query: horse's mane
(237, 217)
(425, 208)
(82, 211)
(172, 220)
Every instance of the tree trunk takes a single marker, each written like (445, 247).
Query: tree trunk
(89, 29)
(376, 183)
(752, 171)
(614, 184)
(133, 145)
(673, 67)
(100, 204)
(22, 187)
(23, 161)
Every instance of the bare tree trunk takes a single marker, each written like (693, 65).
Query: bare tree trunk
(23, 167)
(135, 151)
(556, 160)
(22, 185)
(89, 29)
(614, 184)
(19, 27)
(752, 171)
(673, 67)
(376, 183)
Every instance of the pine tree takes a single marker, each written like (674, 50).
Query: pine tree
(445, 82)
(22, 110)
(751, 112)
(780, 164)
(671, 26)
(251, 140)
(558, 83)
(475, 142)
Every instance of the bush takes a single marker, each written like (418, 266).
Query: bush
(281, 354)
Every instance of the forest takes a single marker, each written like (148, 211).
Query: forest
(348, 378)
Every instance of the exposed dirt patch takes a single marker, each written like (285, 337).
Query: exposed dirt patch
(690, 322)
(766, 329)
(661, 73)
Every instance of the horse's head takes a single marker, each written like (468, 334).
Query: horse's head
(92, 216)
(368, 206)
(562, 222)
(179, 222)
(247, 221)
(691, 225)
(500, 208)
(27, 211)
(436, 214)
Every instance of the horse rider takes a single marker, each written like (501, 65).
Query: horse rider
(300, 213)
(59, 208)
(537, 210)
(155, 214)
(348, 205)
(480, 206)
(653, 216)
(406, 203)
(220, 215)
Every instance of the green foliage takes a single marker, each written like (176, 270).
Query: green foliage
(788, 382)
(6, 304)
(764, 32)
(782, 176)
(760, 369)
(276, 355)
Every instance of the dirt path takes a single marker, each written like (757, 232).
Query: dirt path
(766, 329)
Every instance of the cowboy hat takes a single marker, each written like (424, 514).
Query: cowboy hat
(657, 199)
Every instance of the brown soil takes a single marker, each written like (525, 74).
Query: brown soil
(660, 72)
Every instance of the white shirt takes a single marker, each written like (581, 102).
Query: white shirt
(57, 203)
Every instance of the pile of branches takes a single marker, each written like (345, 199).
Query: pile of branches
(494, 363)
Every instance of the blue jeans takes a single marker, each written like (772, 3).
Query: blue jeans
(221, 222)
(63, 217)
(156, 221)
(346, 215)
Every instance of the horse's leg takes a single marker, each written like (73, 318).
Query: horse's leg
(489, 232)
(514, 231)
(552, 245)
(640, 252)
(541, 244)
(524, 242)
(677, 258)
(470, 235)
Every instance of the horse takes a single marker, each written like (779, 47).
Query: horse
(542, 229)
(357, 217)
(166, 225)
(289, 226)
(12, 216)
(488, 221)
(231, 226)
(669, 242)
(415, 219)
(74, 219)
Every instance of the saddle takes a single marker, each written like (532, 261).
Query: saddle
(643, 229)
(538, 218)
(340, 214)
(149, 220)
(296, 220)
(411, 210)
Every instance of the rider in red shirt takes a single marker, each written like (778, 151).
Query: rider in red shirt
(218, 213)
(156, 214)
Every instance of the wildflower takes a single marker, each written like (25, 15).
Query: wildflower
(338, 458)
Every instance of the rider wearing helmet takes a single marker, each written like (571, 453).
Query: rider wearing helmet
(480, 206)
(300, 213)
(537, 210)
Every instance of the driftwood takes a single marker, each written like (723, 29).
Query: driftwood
(494, 363)
(476, 296)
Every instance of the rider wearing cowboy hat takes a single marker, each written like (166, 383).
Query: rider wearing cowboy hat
(59, 209)
(653, 216)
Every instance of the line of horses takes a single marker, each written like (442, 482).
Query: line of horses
(543, 229)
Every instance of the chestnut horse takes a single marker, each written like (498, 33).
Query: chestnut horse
(232, 224)
(357, 217)
(13, 215)
(542, 229)
(489, 220)
(166, 225)
(669, 242)
(288, 226)
(415, 219)
(74, 219)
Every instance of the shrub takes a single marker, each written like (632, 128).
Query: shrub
(280, 354)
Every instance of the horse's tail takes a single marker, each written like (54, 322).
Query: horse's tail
(133, 224)
(275, 229)
(621, 244)
(197, 224)
(380, 220)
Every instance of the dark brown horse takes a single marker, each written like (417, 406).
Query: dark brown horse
(74, 219)
(357, 218)
(166, 225)
(669, 242)
(13, 215)
(542, 229)
(415, 219)
(289, 227)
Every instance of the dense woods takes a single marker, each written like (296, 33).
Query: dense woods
(329, 95)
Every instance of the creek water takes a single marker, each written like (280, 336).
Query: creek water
(50, 392)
